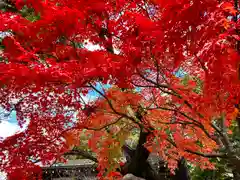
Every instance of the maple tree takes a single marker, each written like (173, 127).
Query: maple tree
(145, 46)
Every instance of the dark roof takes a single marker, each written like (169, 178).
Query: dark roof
(78, 163)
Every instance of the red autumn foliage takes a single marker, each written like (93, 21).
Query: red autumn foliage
(143, 45)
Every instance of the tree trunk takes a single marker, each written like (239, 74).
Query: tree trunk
(236, 174)
(138, 165)
(235, 166)
(182, 171)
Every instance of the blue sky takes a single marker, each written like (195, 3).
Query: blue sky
(9, 125)
(99, 87)
(180, 73)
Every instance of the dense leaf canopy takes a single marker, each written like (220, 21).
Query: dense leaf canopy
(172, 67)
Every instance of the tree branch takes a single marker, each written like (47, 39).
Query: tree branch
(225, 138)
(113, 109)
(173, 92)
(9, 5)
(212, 155)
(105, 126)
(80, 152)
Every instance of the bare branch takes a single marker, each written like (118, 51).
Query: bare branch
(113, 109)
(105, 126)
(80, 152)
(212, 155)
(225, 138)
(202, 64)
(162, 87)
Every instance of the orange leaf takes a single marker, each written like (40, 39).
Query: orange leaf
(229, 8)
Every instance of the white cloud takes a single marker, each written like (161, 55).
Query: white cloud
(3, 176)
(8, 129)
(91, 47)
